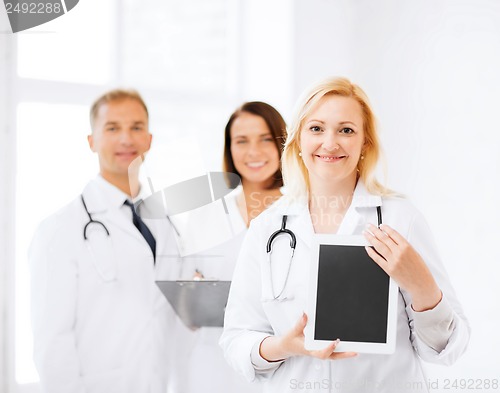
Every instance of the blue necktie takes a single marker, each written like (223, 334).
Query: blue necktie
(145, 232)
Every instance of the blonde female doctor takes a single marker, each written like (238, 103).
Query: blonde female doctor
(100, 323)
(328, 167)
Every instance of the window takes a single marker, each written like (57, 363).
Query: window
(80, 50)
(187, 45)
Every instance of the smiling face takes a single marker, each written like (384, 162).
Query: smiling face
(120, 134)
(331, 140)
(254, 150)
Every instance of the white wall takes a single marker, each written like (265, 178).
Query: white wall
(266, 53)
(7, 148)
(431, 69)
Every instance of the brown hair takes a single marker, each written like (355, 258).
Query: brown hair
(274, 122)
(115, 95)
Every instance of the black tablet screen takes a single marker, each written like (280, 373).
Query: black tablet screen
(352, 298)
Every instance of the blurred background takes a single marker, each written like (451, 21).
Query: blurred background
(430, 68)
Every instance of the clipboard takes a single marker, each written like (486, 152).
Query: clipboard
(350, 298)
(198, 303)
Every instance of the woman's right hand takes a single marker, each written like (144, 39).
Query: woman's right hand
(278, 348)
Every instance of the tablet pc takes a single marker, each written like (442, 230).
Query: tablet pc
(350, 298)
(197, 303)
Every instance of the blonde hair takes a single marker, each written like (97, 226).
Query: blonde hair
(115, 95)
(295, 174)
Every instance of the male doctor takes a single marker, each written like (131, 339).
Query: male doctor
(100, 323)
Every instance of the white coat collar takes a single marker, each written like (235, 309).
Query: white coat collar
(296, 206)
(362, 198)
(300, 219)
(100, 196)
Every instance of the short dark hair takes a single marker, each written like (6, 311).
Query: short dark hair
(115, 95)
(274, 122)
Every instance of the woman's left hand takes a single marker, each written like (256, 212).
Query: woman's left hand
(403, 263)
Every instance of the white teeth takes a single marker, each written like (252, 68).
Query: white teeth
(329, 158)
(256, 164)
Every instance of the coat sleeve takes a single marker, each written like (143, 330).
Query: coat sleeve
(447, 322)
(53, 309)
(245, 322)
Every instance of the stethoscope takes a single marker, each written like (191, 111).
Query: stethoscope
(293, 244)
(100, 249)
(110, 275)
(91, 220)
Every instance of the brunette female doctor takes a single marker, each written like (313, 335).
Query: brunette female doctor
(253, 144)
(328, 166)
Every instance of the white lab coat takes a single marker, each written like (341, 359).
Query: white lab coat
(252, 313)
(100, 323)
(199, 358)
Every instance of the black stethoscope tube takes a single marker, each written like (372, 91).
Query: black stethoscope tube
(91, 220)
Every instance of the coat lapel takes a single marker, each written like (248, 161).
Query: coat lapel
(362, 204)
(352, 222)
(299, 220)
